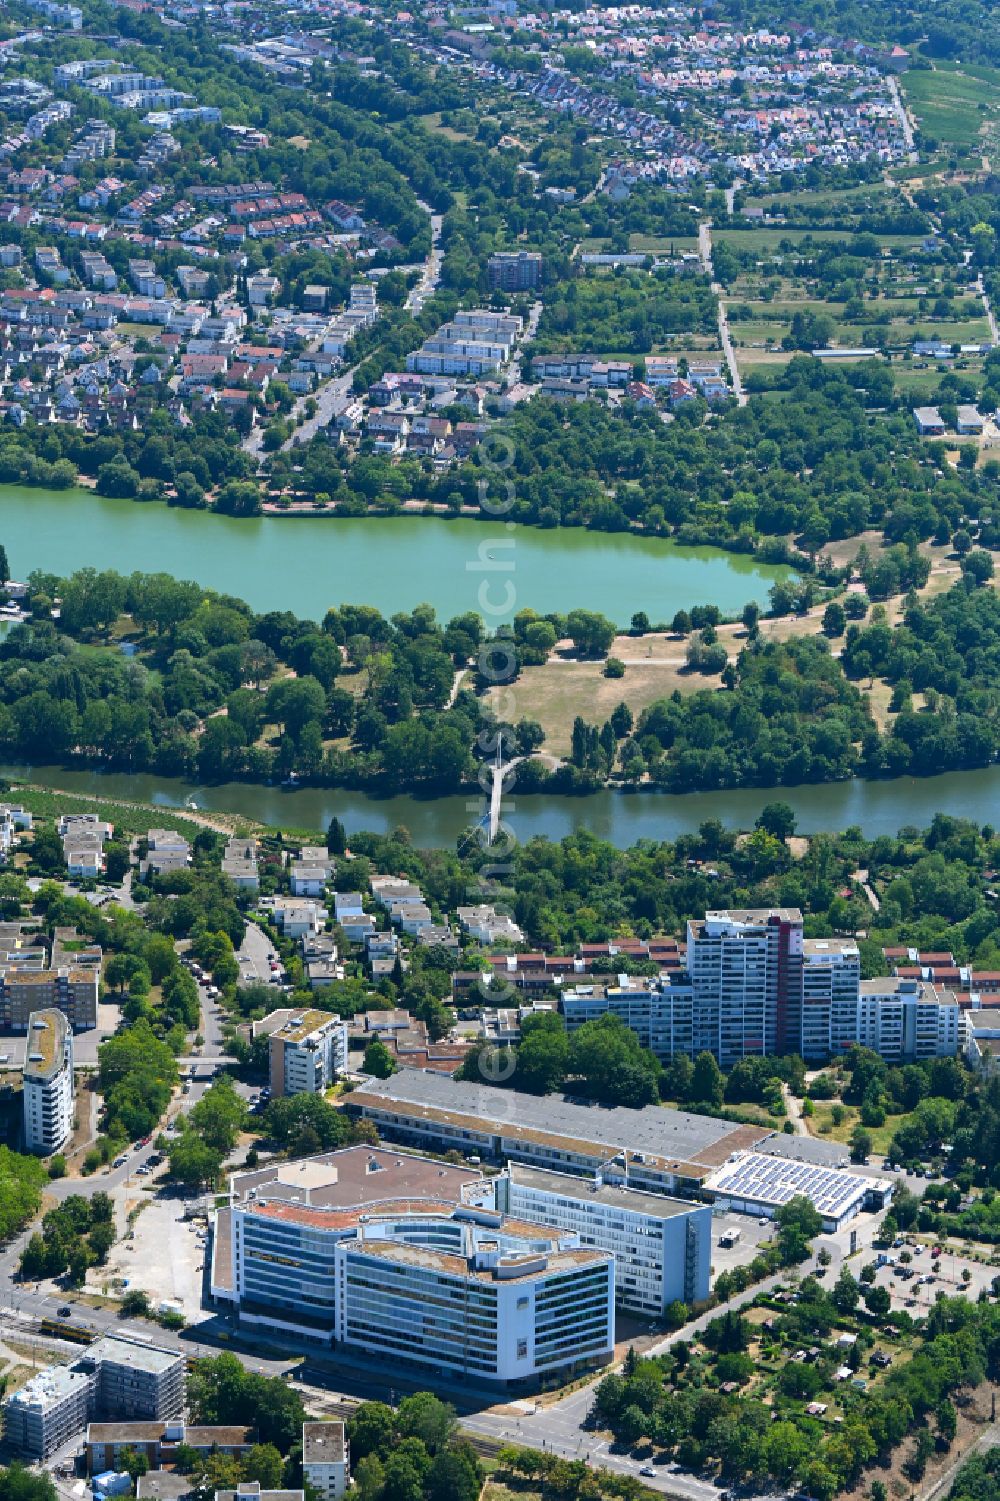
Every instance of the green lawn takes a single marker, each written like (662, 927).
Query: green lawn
(821, 1125)
(661, 244)
(950, 105)
(767, 241)
(924, 383)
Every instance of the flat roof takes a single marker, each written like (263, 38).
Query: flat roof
(222, 1250)
(755, 914)
(355, 1176)
(819, 946)
(152, 1358)
(761, 1178)
(814, 1149)
(200, 1435)
(51, 1386)
(46, 1044)
(292, 1023)
(323, 1443)
(244, 1491)
(163, 1485)
(523, 1267)
(691, 1144)
(657, 1206)
(903, 987)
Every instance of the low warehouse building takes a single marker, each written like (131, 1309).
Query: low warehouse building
(758, 1183)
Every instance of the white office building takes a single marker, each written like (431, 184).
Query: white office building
(662, 1247)
(405, 1259)
(48, 1083)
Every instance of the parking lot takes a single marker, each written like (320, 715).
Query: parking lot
(751, 1235)
(914, 1294)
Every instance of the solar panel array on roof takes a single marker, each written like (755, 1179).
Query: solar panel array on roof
(774, 1180)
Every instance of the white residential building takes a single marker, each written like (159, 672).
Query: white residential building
(310, 872)
(48, 1083)
(746, 970)
(905, 1020)
(347, 904)
(11, 820)
(326, 1459)
(488, 926)
(167, 851)
(239, 863)
(831, 975)
(308, 1049)
(294, 918)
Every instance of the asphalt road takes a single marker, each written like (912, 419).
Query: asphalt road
(28, 1297)
(332, 398)
(255, 955)
(562, 1428)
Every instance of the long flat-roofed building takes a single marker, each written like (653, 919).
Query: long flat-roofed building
(662, 1247)
(158, 1442)
(761, 1182)
(406, 1259)
(70, 988)
(654, 1149)
(48, 1083)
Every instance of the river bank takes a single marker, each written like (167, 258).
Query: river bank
(622, 818)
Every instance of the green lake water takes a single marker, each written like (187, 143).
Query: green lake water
(308, 563)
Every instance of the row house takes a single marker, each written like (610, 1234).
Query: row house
(49, 263)
(285, 224)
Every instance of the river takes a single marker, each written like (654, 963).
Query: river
(308, 563)
(621, 817)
